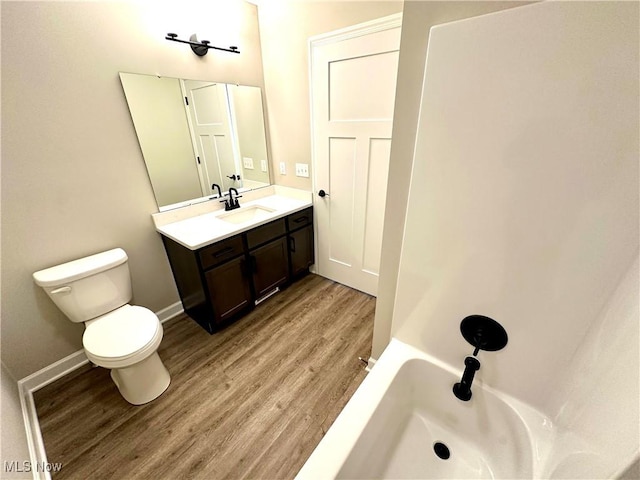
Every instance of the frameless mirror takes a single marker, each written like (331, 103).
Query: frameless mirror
(194, 134)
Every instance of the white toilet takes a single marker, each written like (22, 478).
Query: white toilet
(118, 336)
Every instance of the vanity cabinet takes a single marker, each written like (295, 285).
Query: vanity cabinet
(269, 267)
(268, 257)
(300, 242)
(224, 269)
(301, 251)
(229, 289)
(221, 281)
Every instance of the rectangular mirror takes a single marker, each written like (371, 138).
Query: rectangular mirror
(194, 134)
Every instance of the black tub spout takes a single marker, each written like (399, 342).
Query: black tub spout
(462, 390)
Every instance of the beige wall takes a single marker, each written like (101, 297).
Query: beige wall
(13, 444)
(285, 28)
(73, 178)
(418, 17)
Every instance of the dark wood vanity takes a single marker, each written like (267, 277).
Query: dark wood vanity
(221, 281)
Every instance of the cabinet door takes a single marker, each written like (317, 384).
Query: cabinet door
(228, 289)
(270, 266)
(301, 250)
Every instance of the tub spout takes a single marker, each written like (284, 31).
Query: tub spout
(462, 390)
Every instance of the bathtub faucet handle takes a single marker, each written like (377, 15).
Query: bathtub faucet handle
(483, 333)
(462, 390)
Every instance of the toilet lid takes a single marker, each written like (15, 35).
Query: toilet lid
(120, 333)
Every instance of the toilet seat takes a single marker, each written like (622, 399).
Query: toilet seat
(122, 337)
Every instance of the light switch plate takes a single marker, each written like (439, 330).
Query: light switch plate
(263, 165)
(247, 162)
(283, 168)
(302, 170)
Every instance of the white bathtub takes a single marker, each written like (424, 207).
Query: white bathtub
(405, 405)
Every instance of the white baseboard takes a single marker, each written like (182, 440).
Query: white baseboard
(53, 372)
(49, 374)
(372, 361)
(37, 453)
(170, 312)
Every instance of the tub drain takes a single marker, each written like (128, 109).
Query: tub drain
(441, 450)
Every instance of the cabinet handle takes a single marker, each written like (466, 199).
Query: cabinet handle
(292, 244)
(301, 219)
(222, 252)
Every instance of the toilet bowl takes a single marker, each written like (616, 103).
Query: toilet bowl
(126, 341)
(124, 338)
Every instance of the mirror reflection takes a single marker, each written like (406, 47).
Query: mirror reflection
(194, 134)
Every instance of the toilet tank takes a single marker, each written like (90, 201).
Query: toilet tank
(88, 287)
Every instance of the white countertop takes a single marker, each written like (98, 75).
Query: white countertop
(203, 228)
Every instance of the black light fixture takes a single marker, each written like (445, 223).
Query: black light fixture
(200, 48)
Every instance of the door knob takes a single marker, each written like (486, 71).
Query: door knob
(322, 194)
(234, 177)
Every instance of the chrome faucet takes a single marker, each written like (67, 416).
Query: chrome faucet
(231, 203)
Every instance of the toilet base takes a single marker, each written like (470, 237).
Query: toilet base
(142, 382)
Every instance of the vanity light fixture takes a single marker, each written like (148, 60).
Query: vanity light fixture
(200, 48)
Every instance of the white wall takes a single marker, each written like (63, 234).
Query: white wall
(418, 17)
(524, 192)
(631, 473)
(596, 404)
(73, 178)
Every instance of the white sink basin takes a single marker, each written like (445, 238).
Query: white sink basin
(246, 214)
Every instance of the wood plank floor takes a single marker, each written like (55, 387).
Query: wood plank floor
(251, 401)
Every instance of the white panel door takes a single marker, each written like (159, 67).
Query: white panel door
(210, 121)
(353, 95)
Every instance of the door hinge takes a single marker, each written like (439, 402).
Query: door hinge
(197, 158)
(186, 100)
